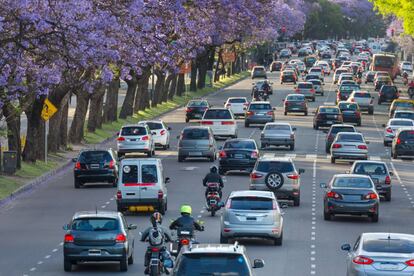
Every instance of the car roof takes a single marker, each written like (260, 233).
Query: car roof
(231, 98)
(217, 108)
(96, 214)
(135, 125)
(215, 248)
(369, 162)
(328, 106)
(150, 121)
(269, 158)
(348, 175)
(348, 132)
(260, 102)
(295, 94)
(196, 127)
(137, 160)
(342, 125)
(403, 111)
(278, 123)
(385, 235)
(240, 139)
(266, 194)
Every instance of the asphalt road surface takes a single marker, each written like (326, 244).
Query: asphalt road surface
(31, 227)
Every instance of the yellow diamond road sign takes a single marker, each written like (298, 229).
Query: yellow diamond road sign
(48, 110)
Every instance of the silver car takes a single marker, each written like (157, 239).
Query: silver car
(380, 254)
(364, 99)
(136, 139)
(391, 128)
(278, 134)
(279, 175)
(350, 146)
(196, 142)
(318, 86)
(252, 214)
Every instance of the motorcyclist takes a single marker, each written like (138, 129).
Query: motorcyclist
(359, 73)
(266, 86)
(213, 177)
(256, 93)
(405, 77)
(186, 221)
(411, 84)
(155, 240)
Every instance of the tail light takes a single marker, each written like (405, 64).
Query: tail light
(398, 141)
(111, 164)
(163, 132)
(254, 154)
(293, 176)
(336, 146)
(334, 195)
(410, 262)
(206, 122)
(118, 195)
(185, 242)
(256, 175)
(319, 116)
(388, 180)
(297, 90)
(227, 123)
(312, 90)
(287, 103)
(361, 260)
(274, 205)
(120, 238)
(362, 147)
(222, 154)
(353, 100)
(69, 238)
(121, 139)
(155, 249)
(78, 166)
(228, 204)
(160, 194)
(145, 138)
(270, 113)
(292, 136)
(371, 196)
(250, 113)
(389, 130)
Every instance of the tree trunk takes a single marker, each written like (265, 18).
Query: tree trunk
(173, 87)
(166, 88)
(142, 96)
(211, 56)
(180, 85)
(159, 88)
(95, 109)
(35, 138)
(202, 65)
(193, 81)
(55, 126)
(76, 132)
(127, 108)
(63, 131)
(12, 116)
(219, 67)
(111, 103)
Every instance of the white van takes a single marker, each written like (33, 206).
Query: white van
(141, 186)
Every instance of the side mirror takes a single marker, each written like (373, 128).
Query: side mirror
(74, 159)
(167, 180)
(372, 97)
(294, 128)
(391, 173)
(301, 171)
(66, 227)
(221, 204)
(367, 142)
(132, 227)
(283, 100)
(347, 171)
(258, 263)
(346, 247)
(253, 83)
(117, 133)
(323, 185)
(169, 128)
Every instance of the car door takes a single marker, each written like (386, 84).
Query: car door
(129, 181)
(149, 176)
(130, 235)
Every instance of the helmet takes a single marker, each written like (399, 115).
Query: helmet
(185, 209)
(213, 169)
(156, 218)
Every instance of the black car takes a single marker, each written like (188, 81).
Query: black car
(388, 93)
(350, 112)
(288, 76)
(276, 66)
(369, 76)
(403, 143)
(195, 109)
(331, 134)
(95, 166)
(96, 236)
(325, 116)
(238, 154)
(295, 103)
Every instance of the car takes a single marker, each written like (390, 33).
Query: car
(392, 126)
(326, 115)
(349, 146)
(325, 66)
(317, 70)
(404, 114)
(295, 103)
(238, 154)
(195, 109)
(380, 81)
(258, 72)
(403, 143)
(142, 186)
(364, 99)
(306, 89)
(388, 93)
(345, 77)
(350, 194)
(333, 130)
(288, 76)
(350, 112)
(310, 77)
(160, 133)
(259, 86)
(136, 139)
(379, 173)
(196, 142)
(401, 104)
(237, 105)
(285, 53)
(301, 66)
(310, 60)
(345, 90)
(318, 86)
(381, 74)
(326, 55)
(380, 253)
(278, 134)
(221, 121)
(215, 259)
(252, 214)
(303, 52)
(275, 66)
(95, 166)
(406, 66)
(259, 112)
(278, 175)
(338, 73)
(369, 76)
(98, 236)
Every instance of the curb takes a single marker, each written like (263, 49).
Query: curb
(44, 179)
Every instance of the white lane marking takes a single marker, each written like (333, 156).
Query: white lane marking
(47, 256)
(107, 202)
(61, 244)
(112, 198)
(251, 134)
(33, 269)
(396, 173)
(291, 155)
(375, 158)
(103, 206)
(311, 156)
(268, 155)
(39, 262)
(54, 250)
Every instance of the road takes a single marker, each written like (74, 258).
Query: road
(32, 232)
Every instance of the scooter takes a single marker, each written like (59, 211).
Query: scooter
(213, 198)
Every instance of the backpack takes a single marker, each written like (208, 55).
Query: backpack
(156, 237)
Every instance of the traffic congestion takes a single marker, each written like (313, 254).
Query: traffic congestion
(304, 168)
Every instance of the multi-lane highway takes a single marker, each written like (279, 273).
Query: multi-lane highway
(31, 227)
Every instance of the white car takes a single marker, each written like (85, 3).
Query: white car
(135, 139)
(325, 66)
(160, 133)
(345, 77)
(317, 71)
(337, 73)
(237, 105)
(392, 127)
(406, 66)
(221, 122)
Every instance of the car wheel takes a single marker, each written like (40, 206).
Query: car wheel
(263, 146)
(313, 99)
(387, 196)
(281, 82)
(322, 94)
(306, 113)
(187, 120)
(327, 215)
(77, 184)
(278, 241)
(374, 217)
(123, 264)
(120, 209)
(120, 155)
(246, 124)
(333, 160)
(131, 258)
(379, 102)
(67, 265)
(212, 158)
(296, 200)
(371, 112)
(316, 127)
(180, 158)
(385, 144)
(292, 147)
(274, 180)
(224, 239)
(359, 123)
(285, 113)
(149, 154)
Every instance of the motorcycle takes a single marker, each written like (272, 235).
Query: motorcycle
(185, 238)
(213, 198)
(160, 261)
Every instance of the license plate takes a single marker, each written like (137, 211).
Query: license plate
(295, 108)
(198, 116)
(94, 166)
(94, 252)
(195, 153)
(132, 140)
(250, 218)
(329, 122)
(239, 156)
(141, 208)
(389, 267)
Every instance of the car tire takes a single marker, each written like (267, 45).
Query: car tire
(119, 209)
(187, 120)
(296, 200)
(274, 177)
(379, 102)
(263, 146)
(278, 241)
(181, 158)
(322, 94)
(385, 144)
(131, 258)
(316, 127)
(162, 208)
(77, 184)
(123, 264)
(371, 112)
(374, 217)
(281, 82)
(246, 124)
(359, 123)
(387, 196)
(327, 215)
(306, 113)
(285, 113)
(313, 99)
(333, 160)
(292, 147)
(212, 158)
(149, 154)
(120, 155)
(224, 239)
(67, 265)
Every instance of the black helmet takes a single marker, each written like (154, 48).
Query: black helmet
(213, 169)
(156, 218)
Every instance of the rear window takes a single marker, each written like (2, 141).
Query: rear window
(95, 157)
(305, 85)
(195, 133)
(217, 114)
(401, 246)
(287, 73)
(198, 104)
(154, 126)
(95, 224)
(251, 203)
(362, 95)
(259, 69)
(149, 173)
(130, 174)
(277, 127)
(370, 168)
(133, 131)
(315, 70)
(339, 72)
(213, 264)
(407, 135)
(350, 137)
(329, 110)
(389, 89)
(240, 145)
(335, 130)
(274, 166)
(349, 88)
(348, 106)
(260, 106)
(237, 100)
(401, 123)
(296, 98)
(315, 82)
(352, 182)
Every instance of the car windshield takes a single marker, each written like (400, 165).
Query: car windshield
(329, 110)
(384, 61)
(259, 69)
(212, 263)
(401, 123)
(260, 106)
(239, 145)
(251, 203)
(154, 125)
(352, 182)
(133, 131)
(149, 173)
(195, 134)
(237, 100)
(316, 70)
(399, 246)
(349, 88)
(198, 104)
(275, 127)
(362, 95)
(335, 130)
(315, 82)
(348, 106)
(388, 89)
(305, 85)
(274, 166)
(300, 98)
(350, 137)
(370, 168)
(217, 114)
(94, 157)
(94, 224)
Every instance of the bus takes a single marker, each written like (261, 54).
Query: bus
(385, 62)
